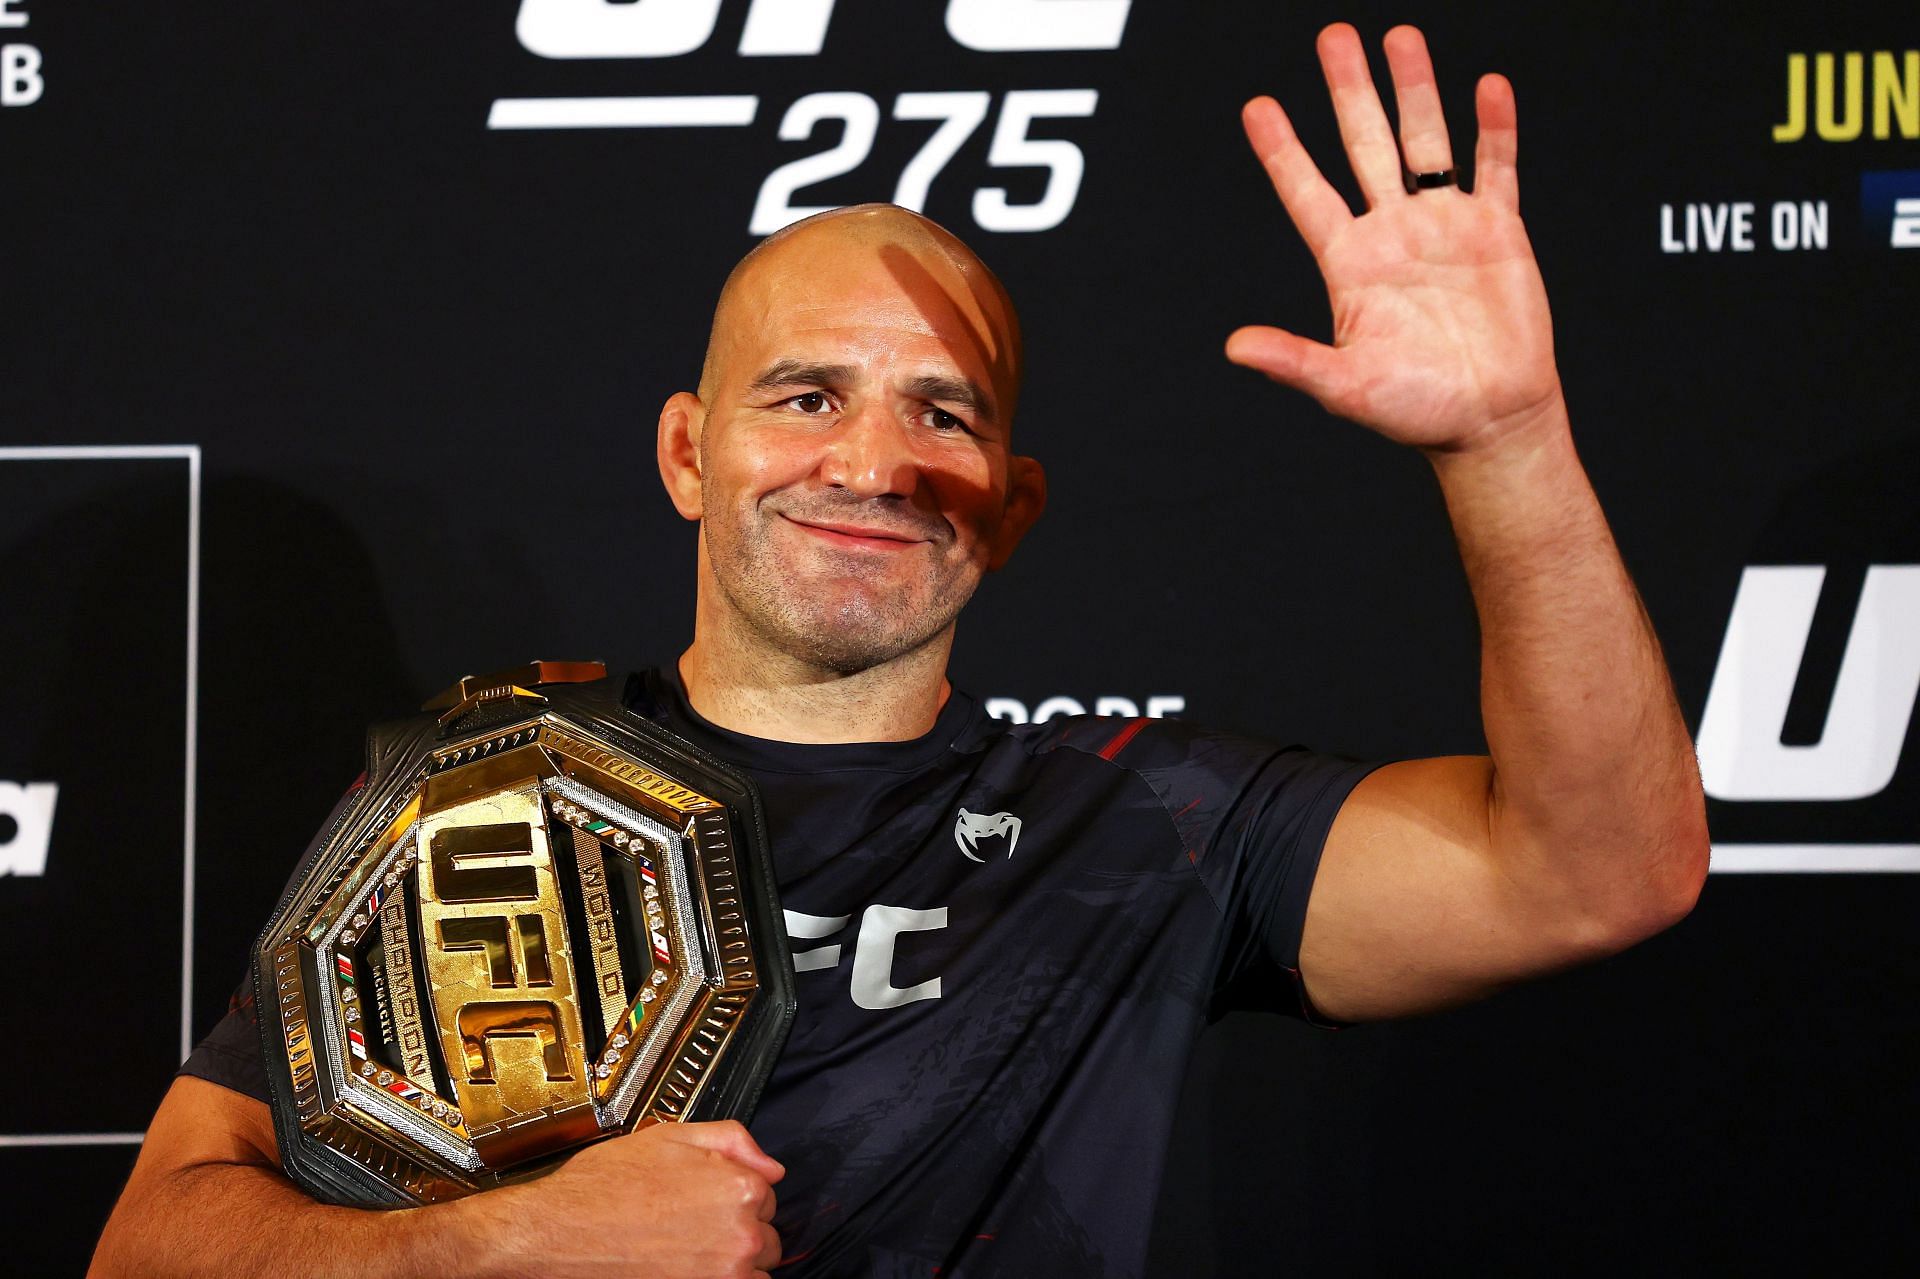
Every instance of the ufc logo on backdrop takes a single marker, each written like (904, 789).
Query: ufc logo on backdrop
(567, 29)
(1843, 788)
(1742, 756)
(871, 980)
(668, 28)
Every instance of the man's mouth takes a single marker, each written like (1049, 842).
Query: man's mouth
(865, 536)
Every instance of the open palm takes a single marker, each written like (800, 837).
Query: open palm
(1441, 334)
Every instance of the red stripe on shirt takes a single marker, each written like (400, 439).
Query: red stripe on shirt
(1121, 738)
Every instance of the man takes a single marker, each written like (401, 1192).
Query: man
(1038, 919)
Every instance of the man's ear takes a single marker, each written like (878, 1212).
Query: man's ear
(682, 419)
(1026, 498)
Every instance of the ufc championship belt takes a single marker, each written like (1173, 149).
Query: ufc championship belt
(541, 921)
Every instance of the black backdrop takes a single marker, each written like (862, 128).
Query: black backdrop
(316, 392)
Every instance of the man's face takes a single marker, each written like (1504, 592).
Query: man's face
(855, 479)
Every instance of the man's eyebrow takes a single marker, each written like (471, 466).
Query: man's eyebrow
(954, 390)
(785, 373)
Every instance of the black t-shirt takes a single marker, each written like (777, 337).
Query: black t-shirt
(1006, 939)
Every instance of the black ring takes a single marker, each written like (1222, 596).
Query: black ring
(1428, 181)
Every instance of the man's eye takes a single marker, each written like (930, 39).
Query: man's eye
(811, 402)
(945, 421)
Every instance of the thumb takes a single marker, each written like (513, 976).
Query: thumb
(730, 1138)
(1285, 357)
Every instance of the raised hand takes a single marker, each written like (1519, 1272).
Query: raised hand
(1441, 334)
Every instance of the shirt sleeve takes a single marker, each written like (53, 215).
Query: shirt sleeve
(1255, 819)
(231, 1054)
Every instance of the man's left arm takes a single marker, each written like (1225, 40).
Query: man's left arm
(1585, 830)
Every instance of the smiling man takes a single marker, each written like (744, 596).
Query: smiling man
(1008, 937)
(848, 458)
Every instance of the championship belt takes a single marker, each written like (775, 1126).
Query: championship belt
(542, 920)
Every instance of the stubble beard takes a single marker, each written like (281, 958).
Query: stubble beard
(826, 619)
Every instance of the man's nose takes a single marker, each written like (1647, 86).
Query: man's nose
(871, 454)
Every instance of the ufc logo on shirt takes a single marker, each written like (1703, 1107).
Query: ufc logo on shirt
(871, 982)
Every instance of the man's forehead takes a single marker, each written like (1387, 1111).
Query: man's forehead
(872, 321)
(875, 276)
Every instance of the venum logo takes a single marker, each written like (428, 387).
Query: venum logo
(27, 811)
(970, 828)
(569, 29)
(1742, 756)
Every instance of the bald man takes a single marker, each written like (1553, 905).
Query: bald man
(848, 458)
(1007, 937)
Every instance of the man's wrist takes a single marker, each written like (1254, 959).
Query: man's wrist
(1513, 435)
(1526, 447)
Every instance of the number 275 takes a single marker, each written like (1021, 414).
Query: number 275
(959, 114)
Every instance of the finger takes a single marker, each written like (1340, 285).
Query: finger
(1423, 124)
(1498, 147)
(730, 1138)
(768, 1205)
(1315, 207)
(1363, 122)
(1286, 357)
(769, 1255)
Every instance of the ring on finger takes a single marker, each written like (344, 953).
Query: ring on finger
(1418, 182)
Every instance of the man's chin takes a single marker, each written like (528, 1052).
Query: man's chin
(848, 645)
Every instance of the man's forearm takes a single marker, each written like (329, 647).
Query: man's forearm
(245, 1220)
(673, 1201)
(1595, 790)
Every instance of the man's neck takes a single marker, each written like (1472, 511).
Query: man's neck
(780, 698)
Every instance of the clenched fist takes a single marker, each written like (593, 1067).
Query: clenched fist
(665, 1201)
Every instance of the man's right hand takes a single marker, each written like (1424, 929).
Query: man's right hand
(207, 1198)
(692, 1199)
